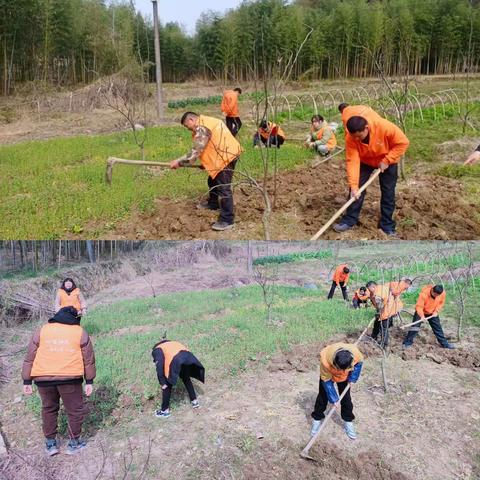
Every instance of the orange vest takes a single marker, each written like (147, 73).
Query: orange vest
(327, 355)
(222, 148)
(391, 305)
(59, 353)
(339, 276)
(170, 349)
(271, 127)
(332, 142)
(426, 304)
(360, 296)
(70, 300)
(230, 104)
(397, 288)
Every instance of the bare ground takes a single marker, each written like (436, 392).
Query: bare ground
(254, 426)
(307, 198)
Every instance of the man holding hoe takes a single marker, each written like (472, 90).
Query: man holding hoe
(218, 152)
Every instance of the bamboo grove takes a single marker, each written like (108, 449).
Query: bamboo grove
(69, 42)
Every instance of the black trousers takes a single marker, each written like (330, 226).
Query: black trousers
(388, 183)
(322, 402)
(234, 124)
(436, 328)
(221, 195)
(166, 394)
(272, 141)
(382, 327)
(357, 303)
(332, 290)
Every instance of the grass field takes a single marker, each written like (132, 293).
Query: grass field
(226, 329)
(56, 187)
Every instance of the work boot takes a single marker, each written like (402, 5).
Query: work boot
(450, 346)
(350, 430)
(316, 424)
(204, 205)
(222, 226)
(75, 445)
(195, 404)
(341, 227)
(162, 413)
(51, 447)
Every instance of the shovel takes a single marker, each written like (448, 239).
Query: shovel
(113, 160)
(304, 452)
(374, 175)
(321, 160)
(403, 327)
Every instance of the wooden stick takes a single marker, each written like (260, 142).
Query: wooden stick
(374, 175)
(113, 160)
(403, 327)
(309, 445)
(323, 160)
(365, 331)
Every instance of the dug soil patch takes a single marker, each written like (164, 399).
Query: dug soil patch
(428, 207)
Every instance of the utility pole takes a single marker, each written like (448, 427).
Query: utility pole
(158, 65)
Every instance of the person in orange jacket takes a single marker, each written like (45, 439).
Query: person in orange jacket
(269, 134)
(218, 151)
(69, 295)
(387, 306)
(474, 157)
(429, 304)
(348, 111)
(59, 359)
(231, 110)
(341, 364)
(370, 145)
(397, 288)
(340, 277)
(361, 298)
(174, 360)
(321, 137)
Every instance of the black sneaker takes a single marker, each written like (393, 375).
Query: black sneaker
(206, 206)
(222, 226)
(341, 227)
(74, 446)
(51, 447)
(390, 234)
(450, 346)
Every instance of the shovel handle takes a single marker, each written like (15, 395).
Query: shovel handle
(322, 426)
(403, 327)
(374, 175)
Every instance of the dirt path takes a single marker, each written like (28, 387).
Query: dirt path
(254, 426)
(307, 198)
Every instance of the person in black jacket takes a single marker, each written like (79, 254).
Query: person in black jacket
(174, 360)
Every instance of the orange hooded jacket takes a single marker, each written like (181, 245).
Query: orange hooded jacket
(358, 111)
(339, 275)
(426, 305)
(387, 144)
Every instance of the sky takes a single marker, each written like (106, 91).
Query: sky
(185, 12)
